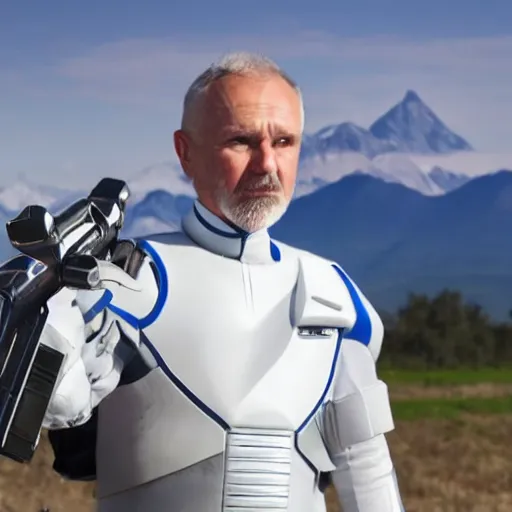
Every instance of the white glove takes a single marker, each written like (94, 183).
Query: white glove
(92, 367)
(90, 370)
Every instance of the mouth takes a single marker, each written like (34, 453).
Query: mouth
(261, 192)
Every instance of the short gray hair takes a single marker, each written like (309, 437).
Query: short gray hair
(238, 63)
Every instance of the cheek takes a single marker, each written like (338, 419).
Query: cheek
(231, 167)
(288, 170)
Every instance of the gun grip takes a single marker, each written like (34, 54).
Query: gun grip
(30, 372)
(23, 435)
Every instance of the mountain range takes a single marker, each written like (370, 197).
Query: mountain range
(388, 150)
(394, 240)
(408, 127)
(366, 198)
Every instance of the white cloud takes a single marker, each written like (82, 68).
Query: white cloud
(138, 61)
(471, 164)
(153, 59)
(467, 81)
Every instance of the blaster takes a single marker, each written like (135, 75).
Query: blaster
(70, 250)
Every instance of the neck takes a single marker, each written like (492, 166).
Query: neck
(221, 237)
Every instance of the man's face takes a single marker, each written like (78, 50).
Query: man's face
(244, 152)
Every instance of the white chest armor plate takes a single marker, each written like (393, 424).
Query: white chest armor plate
(246, 356)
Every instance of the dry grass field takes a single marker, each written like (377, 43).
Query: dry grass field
(451, 448)
(462, 465)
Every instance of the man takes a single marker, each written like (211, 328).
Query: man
(244, 371)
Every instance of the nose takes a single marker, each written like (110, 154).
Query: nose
(264, 159)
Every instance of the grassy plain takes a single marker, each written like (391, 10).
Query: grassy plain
(451, 448)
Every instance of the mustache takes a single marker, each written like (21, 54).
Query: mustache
(267, 182)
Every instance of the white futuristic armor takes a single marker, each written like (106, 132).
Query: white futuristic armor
(255, 378)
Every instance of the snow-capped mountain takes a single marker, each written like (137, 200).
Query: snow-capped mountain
(386, 150)
(411, 126)
(161, 176)
(14, 197)
(399, 168)
(319, 171)
(344, 137)
(447, 180)
(159, 210)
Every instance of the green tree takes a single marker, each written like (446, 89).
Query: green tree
(443, 332)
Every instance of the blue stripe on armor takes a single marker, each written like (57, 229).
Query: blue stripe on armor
(127, 317)
(304, 458)
(163, 285)
(329, 381)
(362, 330)
(151, 317)
(275, 252)
(213, 229)
(182, 387)
(320, 401)
(163, 292)
(98, 307)
(105, 300)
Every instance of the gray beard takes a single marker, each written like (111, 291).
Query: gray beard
(253, 214)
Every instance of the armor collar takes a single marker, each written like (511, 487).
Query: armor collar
(215, 235)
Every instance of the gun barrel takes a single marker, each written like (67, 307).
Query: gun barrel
(88, 226)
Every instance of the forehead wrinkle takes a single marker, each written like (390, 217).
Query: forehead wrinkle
(219, 106)
(255, 119)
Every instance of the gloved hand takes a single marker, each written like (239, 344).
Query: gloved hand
(92, 366)
(94, 348)
(91, 369)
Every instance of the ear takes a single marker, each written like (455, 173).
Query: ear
(182, 148)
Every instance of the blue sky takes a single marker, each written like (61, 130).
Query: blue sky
(91, 89)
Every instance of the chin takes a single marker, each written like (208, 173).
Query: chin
(256, 214)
